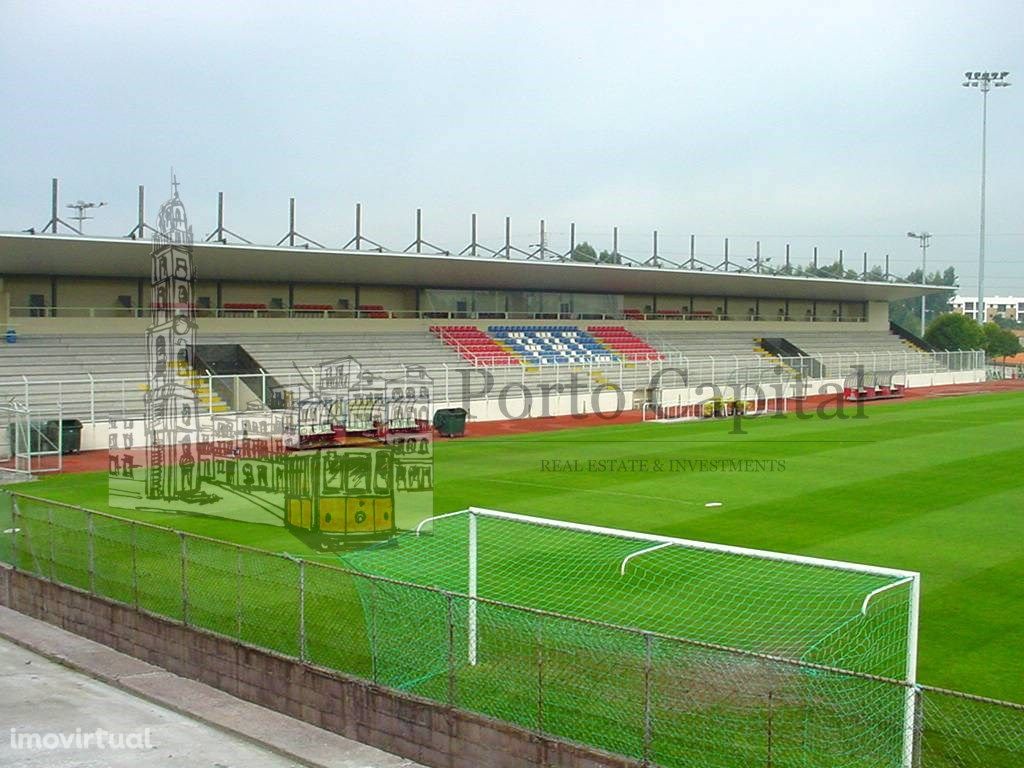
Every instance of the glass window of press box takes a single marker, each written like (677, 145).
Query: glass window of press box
(541, 304)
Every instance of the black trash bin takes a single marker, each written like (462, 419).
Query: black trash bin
(29, 441)
(68, 431)
(450, 422)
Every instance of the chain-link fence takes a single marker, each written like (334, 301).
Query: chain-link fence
(660, 700)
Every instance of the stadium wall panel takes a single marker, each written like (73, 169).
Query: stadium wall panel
(316, 293)
(95, 292)
(254, 293)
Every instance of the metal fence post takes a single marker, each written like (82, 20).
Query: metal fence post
(49, 537)
(648, 717)
(373, 630)
(539, 640)
(18, 537)
(183, 556)
(450, 619)
(91, 543)
(238, 593)
(135, 567)
(919, 715)
(770, 745)
(302, 610)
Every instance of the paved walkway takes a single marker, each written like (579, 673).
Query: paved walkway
(56, 683)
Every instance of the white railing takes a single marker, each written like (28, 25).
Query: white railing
(96, 397)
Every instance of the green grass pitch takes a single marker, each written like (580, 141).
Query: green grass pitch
(930, 485)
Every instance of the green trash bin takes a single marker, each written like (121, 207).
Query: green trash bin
(450, 422)
(68, 431)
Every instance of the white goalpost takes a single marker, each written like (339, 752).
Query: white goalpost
(471, 592)
(31, 439)
(747, 599)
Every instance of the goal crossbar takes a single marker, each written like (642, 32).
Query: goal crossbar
(654, 538)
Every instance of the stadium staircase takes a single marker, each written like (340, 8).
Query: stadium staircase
(910, 340)
(200, 384)
(797, 362)
(233, 360)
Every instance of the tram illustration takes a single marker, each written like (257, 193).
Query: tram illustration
(340, 496)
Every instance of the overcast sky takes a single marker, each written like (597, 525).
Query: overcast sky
(841, 125)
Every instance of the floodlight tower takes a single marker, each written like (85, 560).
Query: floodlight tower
(984, 81)
(81, 207)
(924, 237)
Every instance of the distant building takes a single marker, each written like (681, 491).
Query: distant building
(1011, 307)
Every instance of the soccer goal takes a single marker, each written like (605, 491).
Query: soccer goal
(31, 439)
(836, 631)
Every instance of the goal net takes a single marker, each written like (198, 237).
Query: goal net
(604, 594)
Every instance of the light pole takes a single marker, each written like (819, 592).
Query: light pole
(924, 237)
(984, 81)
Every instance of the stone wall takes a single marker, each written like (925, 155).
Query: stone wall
(421, 730)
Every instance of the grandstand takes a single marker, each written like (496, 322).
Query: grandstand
(481, 329)
(98, 375)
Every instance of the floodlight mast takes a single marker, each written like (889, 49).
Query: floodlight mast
(984, 81)
(923, 237)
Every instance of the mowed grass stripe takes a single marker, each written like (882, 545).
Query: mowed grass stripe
(812, 522)
(982, 644)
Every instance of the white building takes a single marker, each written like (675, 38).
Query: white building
(1007, 306)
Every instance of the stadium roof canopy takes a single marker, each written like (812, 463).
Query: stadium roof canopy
(74, 256)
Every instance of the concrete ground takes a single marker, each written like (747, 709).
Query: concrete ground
(189, 724)
(41, 697)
